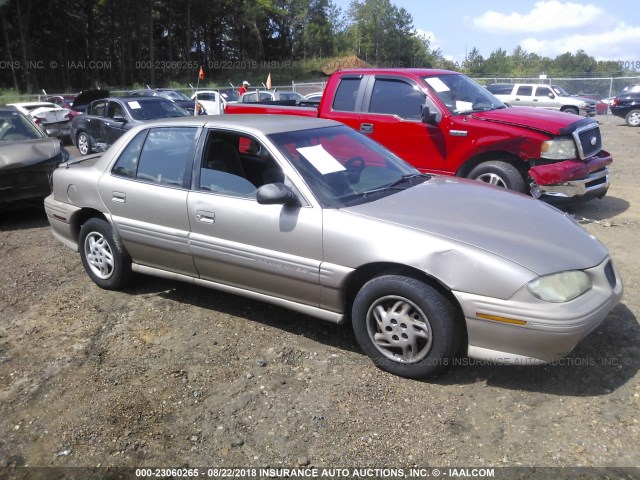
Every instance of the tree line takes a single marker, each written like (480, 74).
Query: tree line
(71, 45)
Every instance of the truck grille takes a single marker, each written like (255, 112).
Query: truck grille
(588, 140)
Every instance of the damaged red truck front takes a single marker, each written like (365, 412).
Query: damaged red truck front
(444, 122)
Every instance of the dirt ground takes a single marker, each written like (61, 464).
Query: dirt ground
(166, 374)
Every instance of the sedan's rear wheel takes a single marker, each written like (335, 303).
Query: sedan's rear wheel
(83, 142)
(103, 256)
(633, 118)
(406, 326)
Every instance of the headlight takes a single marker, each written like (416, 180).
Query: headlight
(561, 149)
(560, 287)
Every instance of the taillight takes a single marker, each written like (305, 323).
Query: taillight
(38, 121)
(615, 102)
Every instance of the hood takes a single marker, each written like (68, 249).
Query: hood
(588, 100)
(539, 119)
(23, 153)
(85, 98)
(521, 229)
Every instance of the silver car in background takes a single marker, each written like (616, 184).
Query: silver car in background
(313, 216)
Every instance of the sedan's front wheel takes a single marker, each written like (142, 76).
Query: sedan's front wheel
(633, 118)
(406, 326)
(83, 142)
(103, 256)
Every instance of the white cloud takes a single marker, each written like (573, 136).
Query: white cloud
(619, 43)
(545, 16)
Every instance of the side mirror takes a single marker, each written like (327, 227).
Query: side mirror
(551, 96)
(428, 117)
(276, 194)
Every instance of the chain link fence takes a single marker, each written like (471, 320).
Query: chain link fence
(596, 88)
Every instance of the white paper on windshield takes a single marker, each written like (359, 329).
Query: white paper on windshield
(322, 160)
(463, 106)
(437, 84)
(134, 105)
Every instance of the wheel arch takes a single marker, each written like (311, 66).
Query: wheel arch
(359, 277)
(81, 217)
(502, 156)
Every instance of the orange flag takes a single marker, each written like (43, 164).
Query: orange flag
(269, 82)
(201, 74)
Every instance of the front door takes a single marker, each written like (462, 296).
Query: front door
(270, 249)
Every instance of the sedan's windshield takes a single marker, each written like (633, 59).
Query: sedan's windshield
(173, 95)
(462, 95)
(147, 109)
(345, 168)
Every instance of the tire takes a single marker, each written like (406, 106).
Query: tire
(103, 256)
(571, 110)
(499, 174)
(633, 118)
(406, 326)
(83, 143)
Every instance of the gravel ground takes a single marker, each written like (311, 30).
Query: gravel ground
(166, 374)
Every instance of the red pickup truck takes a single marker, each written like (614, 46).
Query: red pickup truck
(444, 122)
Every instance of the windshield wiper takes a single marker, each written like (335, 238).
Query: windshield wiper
(406, 178)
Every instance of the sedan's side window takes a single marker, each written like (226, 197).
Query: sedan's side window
(115, 110)
(127, 163)
(159, 156)
(165, 153)
(98, 108)
(236, 165)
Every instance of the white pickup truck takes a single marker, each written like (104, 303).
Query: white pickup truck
(552, 97)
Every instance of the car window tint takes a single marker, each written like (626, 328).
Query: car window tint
(542, 91)
(127, 163)
(500, 89)
(524, 90)
(165, 154)
(115, 110)
(98, 108)
(346, 95)
(396, 97)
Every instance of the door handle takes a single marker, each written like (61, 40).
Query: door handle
(517, 99)
(366, 127)
(205, 217)
(535, 99)
(118, 197)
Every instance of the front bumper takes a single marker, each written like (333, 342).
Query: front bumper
(572, 180)
(547, 331)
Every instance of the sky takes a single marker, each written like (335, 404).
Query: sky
(604, 29)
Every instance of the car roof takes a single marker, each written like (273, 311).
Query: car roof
(416, 72)
(266, 124)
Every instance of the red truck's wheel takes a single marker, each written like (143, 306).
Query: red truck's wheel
(499, 174)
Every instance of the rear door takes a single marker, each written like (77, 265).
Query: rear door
(146, 193)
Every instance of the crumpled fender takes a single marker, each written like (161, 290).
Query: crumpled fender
(568, 170)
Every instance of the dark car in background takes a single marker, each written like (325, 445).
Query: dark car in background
(27, 158)
(175, 96)
(627, 105)
(107, 119)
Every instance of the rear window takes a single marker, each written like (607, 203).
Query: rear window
(525, 90)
